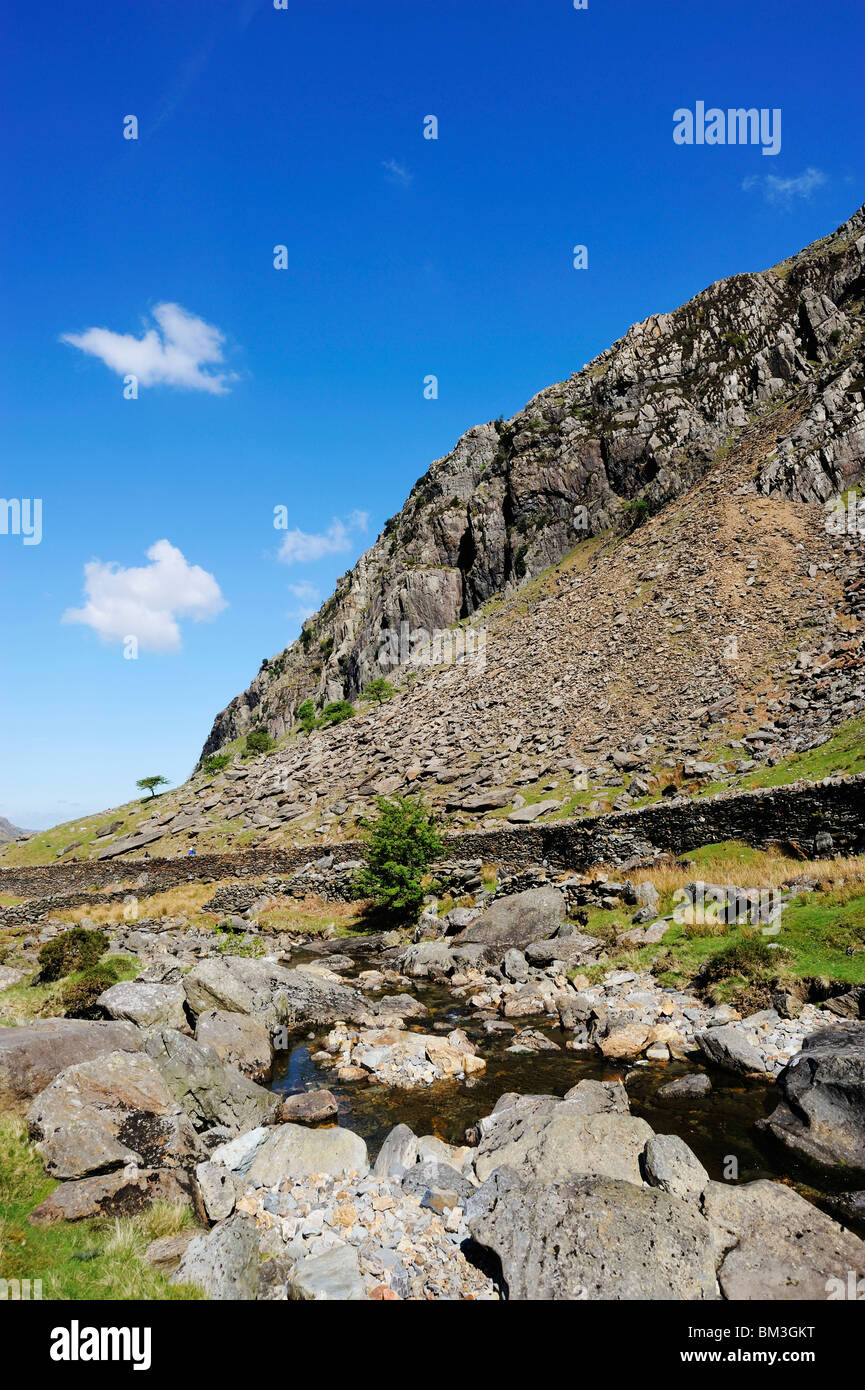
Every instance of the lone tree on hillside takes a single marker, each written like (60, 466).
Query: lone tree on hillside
(258, 741)
(402, 841)
(149, 784)
(306, 716)
(378, 690)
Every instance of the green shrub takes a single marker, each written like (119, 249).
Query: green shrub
(378, 690)
(337, 711)
(258, 741)
(402, 841)
(306, 716)
(79, 996)
(751, 958)
(215, 762)
(72, 950)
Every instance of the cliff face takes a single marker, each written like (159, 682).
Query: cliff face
(595, 454)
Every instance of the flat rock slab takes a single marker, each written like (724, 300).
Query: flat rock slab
(241, 1041)
(333, 1275)
(564, 1143)
(30, 1057)
(594, 1238)
(516, 921)
(309, 1108)
(125, 1192)
(293, 1151)
(271, 993)
(146, 1005)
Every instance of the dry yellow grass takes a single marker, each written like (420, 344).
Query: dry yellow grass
(186, 900)
(760, 869)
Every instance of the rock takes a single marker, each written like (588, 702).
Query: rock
(726, 1047)
(646, 895)
(525, 814)
(224, 1262)
(776, 1245)
(686, 1087)
(821, 1116)
(241, 1041)
(333, 1275)
(515, 966)
(270, 993)
(598, 1098)
(109, 1112)
(515, 921)
(429, 1178)
(147, 1006)
(531, 1040)
(125, 1192)
(10, 977)
(401, 1006)
(626, 1039)
(398, 1152)
(292, 1151)
(218, 1190)
(31, 1056)
(237, 1154)
(562, 1142)
(166, 1252)
(570, 950)
(426, 958)
(308, 1108)
(210, 1091)
(668, 1163)
(594, 1238)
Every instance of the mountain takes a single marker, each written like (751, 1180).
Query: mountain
(8, 831)
(650, 578)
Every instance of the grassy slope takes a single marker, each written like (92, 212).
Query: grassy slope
(100, 1259)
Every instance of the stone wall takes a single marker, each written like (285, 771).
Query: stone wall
(791, 816)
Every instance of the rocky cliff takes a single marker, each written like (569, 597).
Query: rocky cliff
(593, 456)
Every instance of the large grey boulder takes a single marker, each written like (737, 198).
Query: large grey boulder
(516, 921)
(210, 1091)
(593, 1238)
(109, 1112)
(821, 1116)
(426, 958)
(275, 996)
(31, 1056)
(224, 1262)
(293, 1151)
(561, 1141)
(598, 1098)
(145, 1005)
(574, 950)
(669, 1164)
(773, 1244)
(727, 1047)
(241, 1041)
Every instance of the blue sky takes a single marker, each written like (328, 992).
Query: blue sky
(407, 257)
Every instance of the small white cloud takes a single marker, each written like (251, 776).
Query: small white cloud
(308, 600)
(173, 355)
(146, 602)
(398, 173)
(780, 190)
(301, 547)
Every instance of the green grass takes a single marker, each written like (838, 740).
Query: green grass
(99, 1259)
(23, 1002)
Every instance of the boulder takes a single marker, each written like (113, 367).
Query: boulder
(31, 1056)
(237, 1154)
(292, 1151)
(224, 1262)
(775, 1245)
(210, 1091)
(309, 1108)
(562, 1141)
(692, 1087)
(398, 1152)
(218, 1190)
(125, 1192)
(426, 958)
(593, 1238)
(598, 1098)
(277, 997)
(669, 1164)
(821, 1116)
(726, 1047)
(241, 1041)
(335, 1275)
(516, 921)
(109, 1112)
(570, 950)
(147, 1006)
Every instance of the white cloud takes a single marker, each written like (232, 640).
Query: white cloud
(172, 355)
(779, 190)
(308, 599)
(301, 547)
(398, 172)
(146, 602)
